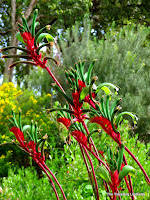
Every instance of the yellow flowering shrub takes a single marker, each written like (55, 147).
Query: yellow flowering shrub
(8, 102)
(8, 95)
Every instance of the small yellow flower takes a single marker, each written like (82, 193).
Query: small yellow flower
(33, 100)
(2, 156)
(48, 95)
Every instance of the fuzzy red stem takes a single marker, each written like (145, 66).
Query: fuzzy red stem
(44, 170)
(96, 185)
(91, 138)
(54, 78)
(105, 184)
(85, 161)
(129, 177)
(56, 181)
(127, 184)
(148, 180)
(100, 160)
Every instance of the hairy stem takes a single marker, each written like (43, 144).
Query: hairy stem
(129, 177)
(89, 172)
(95, 149)
(146, 176)
(100, 160)
(56, 181)
(44, 170)
(93, 171)
(54, 78)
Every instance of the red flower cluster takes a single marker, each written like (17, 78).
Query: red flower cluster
(29, 40)
(18, 134)
(82, 139)
(64, 121)
(114, 181)
(77, 104)
(29, 147)
(107, 127)
(78, 135)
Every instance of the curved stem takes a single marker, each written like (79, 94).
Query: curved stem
(89, 172)
(93, 171)
(56, 181)
(127, 184)
(54, 78)
(105, 184)
(139, 164)
(100, 160)
(95, 149)
(130, 182)
(44, 170)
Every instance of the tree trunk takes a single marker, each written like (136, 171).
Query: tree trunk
(8, 73)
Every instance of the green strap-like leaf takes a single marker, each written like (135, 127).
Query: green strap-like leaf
(125, 113)
(49, 37)
(125, 171)
(22, 62)
(24, 22)
(104, 174)
(113, 106)
(15, 47)
(90, 71)
(103, 107)
(104, 87)
(33, 23)
(107, 107)
(18, 36)
(120, 159)
(84, 93)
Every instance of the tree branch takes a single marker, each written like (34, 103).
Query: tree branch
(29, 10)
(6, 32)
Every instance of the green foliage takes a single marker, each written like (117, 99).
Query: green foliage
(27, 182)
(123, 58)
(71, 172)
(39, 80)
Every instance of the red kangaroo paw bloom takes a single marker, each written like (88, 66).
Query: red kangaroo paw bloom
(81, 138)
(64, 121)
(29, 40)
(19, 135)
(114, 182)
(81, 85)
(88, 100)
(77, 105)
(32, 146)
(29, 147)
(107, 127)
